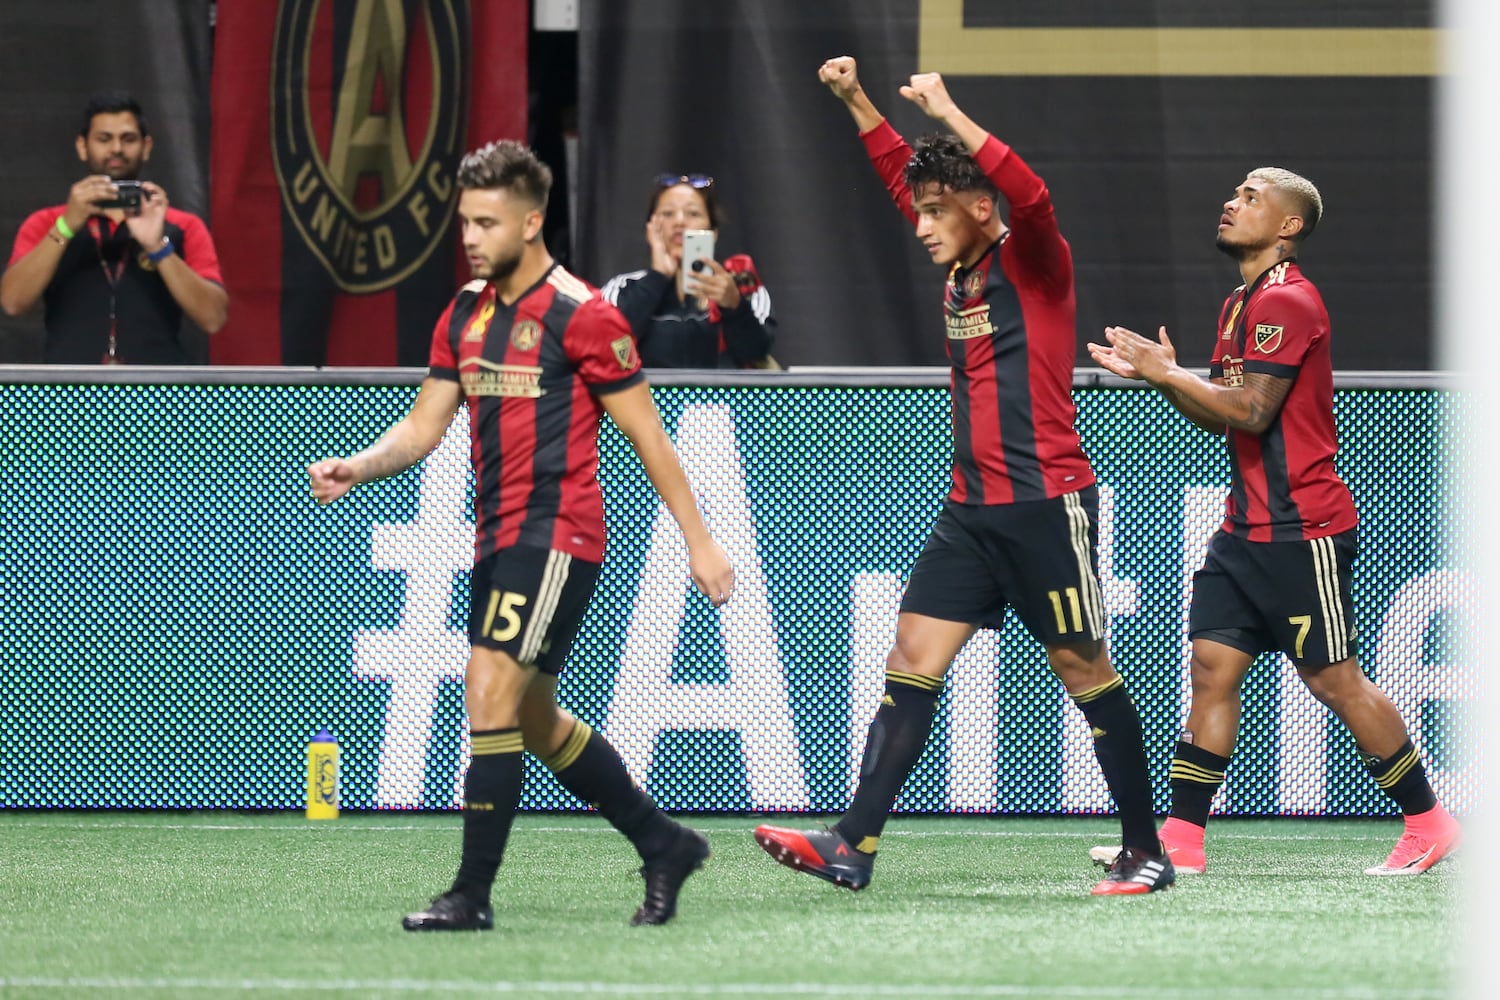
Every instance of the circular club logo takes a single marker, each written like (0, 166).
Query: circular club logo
(973, 284)
(525, 334)
(367, 128)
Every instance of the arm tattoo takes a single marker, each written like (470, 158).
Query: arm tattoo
(1195, 412)
(1262, 396)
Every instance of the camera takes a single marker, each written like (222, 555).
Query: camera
(128, 195)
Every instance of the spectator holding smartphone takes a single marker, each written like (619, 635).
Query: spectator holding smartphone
(695, 313)
(116, 266)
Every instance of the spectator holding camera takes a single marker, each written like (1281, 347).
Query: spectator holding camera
(115, 266)
(698, 313)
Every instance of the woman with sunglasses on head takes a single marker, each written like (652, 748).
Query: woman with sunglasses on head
(712, 314)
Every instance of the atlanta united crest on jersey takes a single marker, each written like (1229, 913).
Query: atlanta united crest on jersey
(532, 373)
(1284, 486)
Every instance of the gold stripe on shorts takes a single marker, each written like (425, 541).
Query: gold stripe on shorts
(554, 576)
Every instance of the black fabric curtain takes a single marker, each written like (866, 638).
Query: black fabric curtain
(1138, 165)
(55, 56)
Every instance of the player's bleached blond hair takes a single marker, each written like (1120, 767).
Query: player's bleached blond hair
(1306, 203)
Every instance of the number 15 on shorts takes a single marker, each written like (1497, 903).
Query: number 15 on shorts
(504, 607)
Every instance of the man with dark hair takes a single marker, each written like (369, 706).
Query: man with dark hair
(1278, 573)
(116, 266)
(538, 357)
(1020, 528)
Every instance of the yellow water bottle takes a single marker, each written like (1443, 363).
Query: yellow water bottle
(323, 776)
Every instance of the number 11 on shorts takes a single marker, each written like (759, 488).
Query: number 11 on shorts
(1056, 597)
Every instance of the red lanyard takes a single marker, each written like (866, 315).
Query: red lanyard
(112, 275)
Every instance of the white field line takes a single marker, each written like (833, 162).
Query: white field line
(602, 828)
(115, 985)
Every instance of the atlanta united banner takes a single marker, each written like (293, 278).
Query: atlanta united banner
(339, 126)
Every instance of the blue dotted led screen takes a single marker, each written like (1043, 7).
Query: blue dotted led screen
(180, 618)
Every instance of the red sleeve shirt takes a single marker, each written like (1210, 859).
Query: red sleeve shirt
(104, 273)
(196, 246)
(1011, 331)
(532, 373)
(1283, 482)
(601, 346)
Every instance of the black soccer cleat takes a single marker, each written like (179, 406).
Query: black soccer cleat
(452, 911)
(665, 875)
(823, 853)
(1135, 872)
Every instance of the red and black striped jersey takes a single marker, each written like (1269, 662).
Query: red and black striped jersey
(532, 373)
(1011, 340)
(1283, 485)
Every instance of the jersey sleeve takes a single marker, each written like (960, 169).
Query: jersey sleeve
(599, 343)
(197, 246)
(33, 231)
(890, 153)
(1036, 245)
(1285, 326)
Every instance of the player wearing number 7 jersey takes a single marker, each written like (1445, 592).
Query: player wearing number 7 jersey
(1020, 528)
(539, 358)
(1278, 571)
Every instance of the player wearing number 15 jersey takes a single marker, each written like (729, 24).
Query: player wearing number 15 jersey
(1020, 528)
(538, 358)
(1278, 574)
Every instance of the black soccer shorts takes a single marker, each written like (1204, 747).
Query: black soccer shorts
(1296, 597)
(1039, 557)
(529, 603)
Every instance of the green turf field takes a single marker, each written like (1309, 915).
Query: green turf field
(226, 904)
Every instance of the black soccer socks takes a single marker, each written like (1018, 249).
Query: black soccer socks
(895, 743)
(492, 790)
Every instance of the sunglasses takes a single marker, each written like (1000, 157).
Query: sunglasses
(697, 181)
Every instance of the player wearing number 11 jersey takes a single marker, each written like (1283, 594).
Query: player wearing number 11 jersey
(1278, 574)
(1020, 528)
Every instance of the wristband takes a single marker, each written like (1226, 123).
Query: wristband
(162, 252)
(63, 227)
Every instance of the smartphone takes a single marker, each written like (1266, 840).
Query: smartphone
(697, 246)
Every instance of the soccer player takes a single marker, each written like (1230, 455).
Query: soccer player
(1277, 575)
(1020, 527)
(538, 357)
